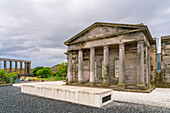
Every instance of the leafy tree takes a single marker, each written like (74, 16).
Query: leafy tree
(14, 75)
(39, 73)
(5, 78)
(3, 74)
(36, 69)
(62, 69)
(44, 73)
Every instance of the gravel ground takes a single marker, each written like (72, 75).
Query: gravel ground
(159, 97)
(13, 101)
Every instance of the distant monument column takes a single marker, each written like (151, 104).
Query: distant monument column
(121, 65)
(105, 64)
(70, 68)
(20, 67)
(10, 67)
(140, 65)
(16, 66)
(29, 67)
(25, 69)
(92, 65)
(5, 65)
(80, 65)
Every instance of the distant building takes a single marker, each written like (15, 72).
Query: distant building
(165, 42)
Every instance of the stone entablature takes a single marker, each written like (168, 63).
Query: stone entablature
(119, 57)
(27, 65)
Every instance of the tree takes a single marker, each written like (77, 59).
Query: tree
(14, 75)
(36, 69)
(62, 69)
(44, 73)
(3, 74)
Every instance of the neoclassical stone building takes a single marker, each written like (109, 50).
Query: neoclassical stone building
(106, 54)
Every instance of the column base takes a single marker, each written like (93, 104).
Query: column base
(141, 86)
(105, 84)
(68, 83)
(121, 86)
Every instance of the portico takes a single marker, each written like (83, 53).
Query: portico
(110, 54)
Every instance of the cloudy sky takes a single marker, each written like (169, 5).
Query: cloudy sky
(37, 29)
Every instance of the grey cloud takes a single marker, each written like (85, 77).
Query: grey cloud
(37, 29)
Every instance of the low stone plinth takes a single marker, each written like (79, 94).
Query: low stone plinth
(96, 97)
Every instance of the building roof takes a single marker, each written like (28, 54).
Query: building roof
(163, 38)
(135, 28)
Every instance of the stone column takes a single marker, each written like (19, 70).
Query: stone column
(5, 65)
(75, 68)
(25, 69)
(80, 66)
(105, 65)
(16, 66)
(149, 67)
(140, 64)
(70, 68)
(10, 67)
(20, 67)
(147, 76)
(92, 65)
(29, 67)
(121, 65)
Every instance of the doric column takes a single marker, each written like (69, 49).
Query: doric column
(121, 64)
(70, 68)
(92, 64)
(105, 63)
(147, 76)
(149, 68)
(20, 67)
(29, 67)
(25, 69)
(75, 68)
(5, 65)
(10, 67)
(140, 64)
(80, 66)
(16, 66)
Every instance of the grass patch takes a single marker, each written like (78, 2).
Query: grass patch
(52, 78)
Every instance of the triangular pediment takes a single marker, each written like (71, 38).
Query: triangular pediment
(98, 30)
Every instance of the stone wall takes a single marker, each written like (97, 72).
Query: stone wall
(166, 59)
(131, 64)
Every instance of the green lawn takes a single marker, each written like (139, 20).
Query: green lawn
(52, 78)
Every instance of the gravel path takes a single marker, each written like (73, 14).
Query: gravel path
(13, 101)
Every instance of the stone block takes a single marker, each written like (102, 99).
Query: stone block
(96, 97)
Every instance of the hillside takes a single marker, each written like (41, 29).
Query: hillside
(54, 68)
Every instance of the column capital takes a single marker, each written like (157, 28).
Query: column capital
(92, 48)
(106, 46)
(121, 44)
(141, 42)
